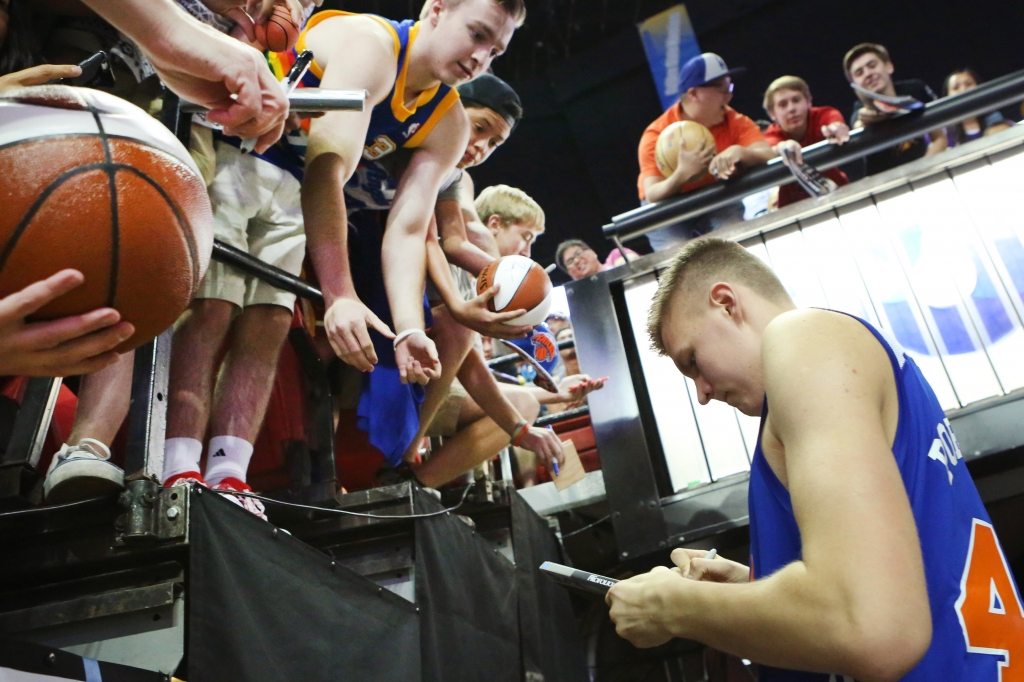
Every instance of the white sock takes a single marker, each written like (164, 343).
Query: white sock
(228, 457)
(181, 455)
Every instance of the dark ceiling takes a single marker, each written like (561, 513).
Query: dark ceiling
(554, 29)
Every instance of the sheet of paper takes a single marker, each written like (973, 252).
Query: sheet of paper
(572, 471)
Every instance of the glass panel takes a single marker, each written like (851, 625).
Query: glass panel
(794, 265)
(891, 297)
(941, 268)
(677, 426)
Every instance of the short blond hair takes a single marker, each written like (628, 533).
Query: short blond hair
(515, 8)
(784, 83)
(701, 263)
(511, 205)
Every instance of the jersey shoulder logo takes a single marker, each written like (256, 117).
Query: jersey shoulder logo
(945, 449)
(544, 347)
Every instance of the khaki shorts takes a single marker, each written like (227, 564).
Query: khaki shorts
(446, 421)
(256, 208)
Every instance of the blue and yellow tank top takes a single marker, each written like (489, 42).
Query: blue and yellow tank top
(392, 124)
(977, 613)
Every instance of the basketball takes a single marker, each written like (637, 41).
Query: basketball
(692, 135)
(93, 183)
(280, 33)
(524, 286)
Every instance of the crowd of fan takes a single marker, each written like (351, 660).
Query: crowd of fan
(409, 218)
(424, 371)
(706, 87)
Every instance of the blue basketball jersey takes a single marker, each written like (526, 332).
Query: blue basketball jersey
(977, 617)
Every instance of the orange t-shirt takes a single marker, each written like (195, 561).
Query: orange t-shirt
(735, 129)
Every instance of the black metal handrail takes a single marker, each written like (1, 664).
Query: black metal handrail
(277, 277)
(987, 97)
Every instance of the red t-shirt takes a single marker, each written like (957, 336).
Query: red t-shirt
(735, 129)
(819, 116)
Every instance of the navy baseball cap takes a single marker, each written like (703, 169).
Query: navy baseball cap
(490, 92)
(703, 69)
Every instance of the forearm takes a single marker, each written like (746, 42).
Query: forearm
(792, 619)
(441, 275)
(403, 262)
(465, 254)
(482, 239)
(667, 187)
(326, 224)
(139, 18)
(476, 378)
(757, 153)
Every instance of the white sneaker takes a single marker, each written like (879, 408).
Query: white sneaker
(80, 472)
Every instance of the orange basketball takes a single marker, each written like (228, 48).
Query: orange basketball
(524, 285)
(691, 135)
(280, 33)
(93, 183)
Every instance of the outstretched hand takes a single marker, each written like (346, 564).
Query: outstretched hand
(416, 357)
(347, 324)
(233, 80)
(475, 315)
(573, 389)
(78, 344)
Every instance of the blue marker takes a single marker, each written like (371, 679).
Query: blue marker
(554, 462)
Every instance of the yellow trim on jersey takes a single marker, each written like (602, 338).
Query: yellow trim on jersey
(442, 108)
(398, 108)
(315, 68)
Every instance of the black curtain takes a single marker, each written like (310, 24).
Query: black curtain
(264, 606)
(552, 649)
(466, 592)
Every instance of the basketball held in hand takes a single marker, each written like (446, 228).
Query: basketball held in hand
(93, 183)
(692, 136)
(524, 286)
(279, 33)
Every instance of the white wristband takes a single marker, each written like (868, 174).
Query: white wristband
(401, 336)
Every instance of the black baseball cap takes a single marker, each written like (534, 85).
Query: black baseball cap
(490, 92)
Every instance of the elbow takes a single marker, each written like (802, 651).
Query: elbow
(884, 646)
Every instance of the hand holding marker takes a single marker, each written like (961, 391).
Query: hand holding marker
(290, 82)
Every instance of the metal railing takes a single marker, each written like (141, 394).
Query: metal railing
(987, 97)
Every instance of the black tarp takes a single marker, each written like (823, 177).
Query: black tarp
(467, 595)
(552, 650)
(264, 606)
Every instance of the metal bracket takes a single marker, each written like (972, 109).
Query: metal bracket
(152, 513)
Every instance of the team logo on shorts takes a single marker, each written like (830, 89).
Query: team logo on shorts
(544, 347)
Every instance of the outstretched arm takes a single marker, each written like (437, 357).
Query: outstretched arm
(856, 603)
(361, 60)
(455, 241)
(204, 66)
(403, 252)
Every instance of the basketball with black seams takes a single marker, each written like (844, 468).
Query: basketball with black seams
(524, 286)
(93, 183)
(279, 33)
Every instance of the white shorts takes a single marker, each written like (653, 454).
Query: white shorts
(257, 208)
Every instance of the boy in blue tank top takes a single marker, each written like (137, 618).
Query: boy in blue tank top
(409, 71)
(872, 556)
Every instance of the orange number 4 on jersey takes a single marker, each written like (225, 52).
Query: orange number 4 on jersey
(989, 606)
